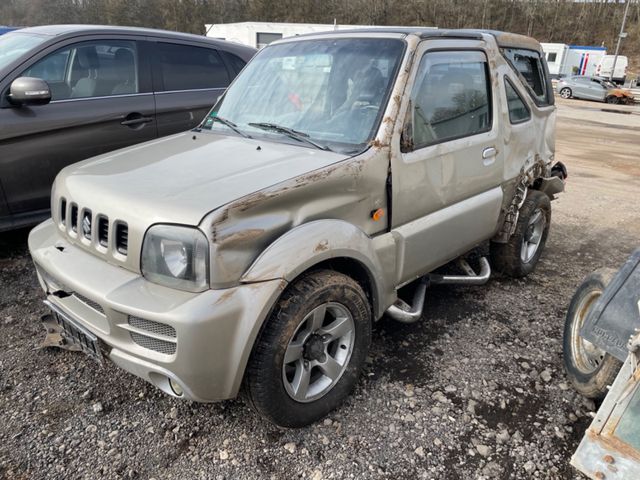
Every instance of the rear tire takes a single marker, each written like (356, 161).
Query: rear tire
(565, 92)
(519, 256)
(310, 353)
(589, 369)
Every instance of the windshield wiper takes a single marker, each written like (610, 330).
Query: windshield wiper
(231, 125)
(295, 134)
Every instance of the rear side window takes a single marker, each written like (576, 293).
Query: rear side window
(518, 111)
(529, 64)
(451, 97)
(185, 67)
(236, 62)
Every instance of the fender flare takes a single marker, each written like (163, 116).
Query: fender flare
(312, 243)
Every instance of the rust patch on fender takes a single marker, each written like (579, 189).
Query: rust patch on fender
(241, 237)
(225, 296)
(322, 246)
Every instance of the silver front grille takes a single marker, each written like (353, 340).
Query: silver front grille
(80, 222)
(152, 327)
(96, 306)
(161, 346)
(155, 329)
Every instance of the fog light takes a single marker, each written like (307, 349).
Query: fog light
(177, 389)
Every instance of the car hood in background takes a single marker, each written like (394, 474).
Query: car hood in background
(181, 178)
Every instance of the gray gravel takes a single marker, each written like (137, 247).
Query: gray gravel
(476, 390)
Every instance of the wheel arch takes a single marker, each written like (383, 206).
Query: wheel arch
(331, 244)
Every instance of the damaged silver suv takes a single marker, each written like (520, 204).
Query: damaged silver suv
(255, 251)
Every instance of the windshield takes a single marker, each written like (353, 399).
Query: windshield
(14, 44)
(331, 92)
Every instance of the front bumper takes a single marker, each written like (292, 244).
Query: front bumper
(201, 341)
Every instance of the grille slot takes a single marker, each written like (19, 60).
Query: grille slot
(96, 306)
(122, 238)
(74, 217)
(86, 224)
(103, 231)
(161, 346)
(152, 327)
(63, 212)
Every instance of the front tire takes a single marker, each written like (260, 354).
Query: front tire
(589, 368)
(612, 99)
(565, 92)
(519, 256)
(309, 356)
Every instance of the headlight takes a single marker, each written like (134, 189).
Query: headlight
(176, 257)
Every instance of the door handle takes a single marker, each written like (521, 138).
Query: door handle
(134, 119)
(489, 152)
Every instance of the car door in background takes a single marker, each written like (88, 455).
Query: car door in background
(101, 101)
(598, 91)
(188, 79)
(581, 87)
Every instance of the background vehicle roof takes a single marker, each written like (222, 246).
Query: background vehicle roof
(71, 30)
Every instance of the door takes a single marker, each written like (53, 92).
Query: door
(101, 101)
(580, 87)
(447, 177)
(597, 90)
(188, 79)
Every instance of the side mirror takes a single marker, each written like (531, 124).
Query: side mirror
(26, 91)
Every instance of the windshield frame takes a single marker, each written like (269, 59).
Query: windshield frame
(338, 147)
(25, 54)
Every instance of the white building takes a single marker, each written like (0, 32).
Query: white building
(260, 34)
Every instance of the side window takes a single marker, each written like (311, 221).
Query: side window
(52, 68)
(529, 64)
(264, 39)
(236, 62)
(185, 67)
(518, 111)
(89, 69)
(551, 57)
(450, 98)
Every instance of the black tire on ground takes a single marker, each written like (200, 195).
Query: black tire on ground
(612, 99)
(509, 258)
(589, 379)
(265, 387)
(566, 92)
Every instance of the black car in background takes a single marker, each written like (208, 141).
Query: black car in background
(69, 92)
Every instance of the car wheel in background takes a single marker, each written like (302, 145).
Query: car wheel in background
(565, 92)
(612, 99)
(310, 353)
(590, 369)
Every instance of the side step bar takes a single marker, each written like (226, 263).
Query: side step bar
(404, 313)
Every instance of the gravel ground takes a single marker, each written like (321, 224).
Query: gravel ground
(476, 390)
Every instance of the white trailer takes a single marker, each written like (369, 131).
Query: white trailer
(564, 59)
(260, 34)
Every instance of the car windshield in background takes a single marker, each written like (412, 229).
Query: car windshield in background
(332, 92)
(12, 45)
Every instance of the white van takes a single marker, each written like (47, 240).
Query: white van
(606, 64)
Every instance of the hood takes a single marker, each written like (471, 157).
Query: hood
(181, 178)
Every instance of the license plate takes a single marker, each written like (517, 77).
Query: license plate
(76, 333)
